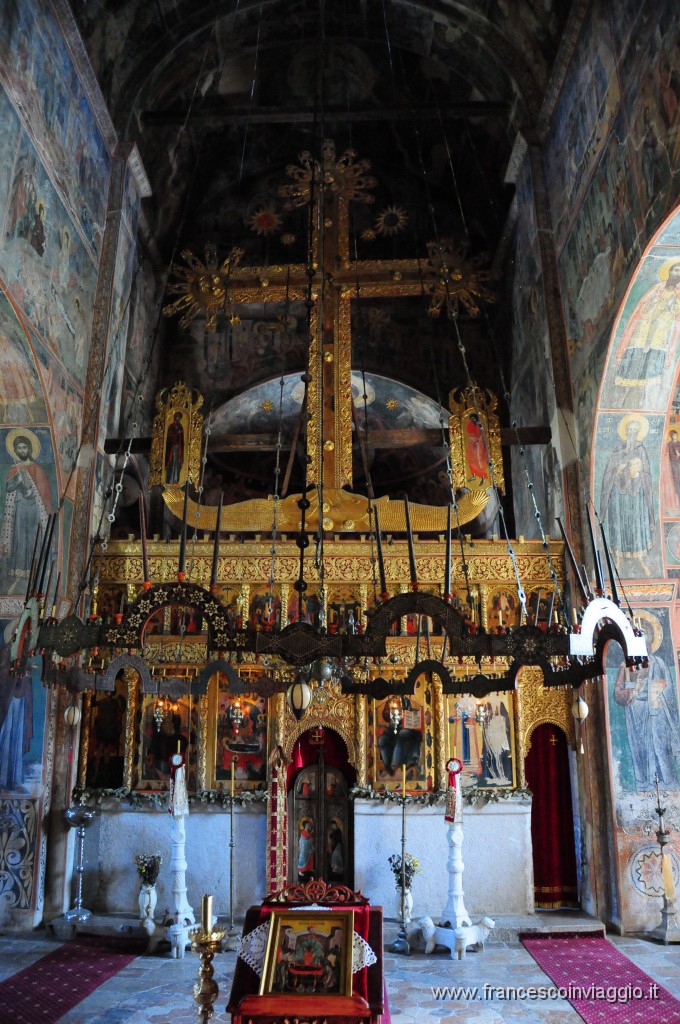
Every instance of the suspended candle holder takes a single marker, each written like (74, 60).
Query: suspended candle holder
(236, 715)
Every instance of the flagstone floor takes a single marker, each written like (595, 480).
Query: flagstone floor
(158, 990)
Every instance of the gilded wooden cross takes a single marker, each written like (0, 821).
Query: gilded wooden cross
(327, 187)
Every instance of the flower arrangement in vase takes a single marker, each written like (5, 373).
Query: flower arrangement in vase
(411, 867)
(148, 867)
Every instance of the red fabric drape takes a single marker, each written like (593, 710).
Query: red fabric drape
(334, 754)
(552, 823)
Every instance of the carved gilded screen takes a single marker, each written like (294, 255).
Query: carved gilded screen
(229, 737)
(411, 744)
(486, 748)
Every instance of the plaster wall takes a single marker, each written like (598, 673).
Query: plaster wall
(498, 876)
(111, 883)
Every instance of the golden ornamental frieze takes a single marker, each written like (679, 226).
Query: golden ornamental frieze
(343, 511)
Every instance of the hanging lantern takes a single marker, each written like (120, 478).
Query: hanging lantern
(159, 712)
(395, 714)
(579, 710)
(481, 713)
(72, 716)
(299, 696)
(236, 715)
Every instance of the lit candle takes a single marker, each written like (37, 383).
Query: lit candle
(206, 914)
(500, 618)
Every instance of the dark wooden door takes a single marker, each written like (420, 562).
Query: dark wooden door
(319, 825)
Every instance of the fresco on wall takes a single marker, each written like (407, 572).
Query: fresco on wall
(582, 119)
(641, 371)
(601, 246)
(22, 725)
(66, 405)
(11, 127)
(27, 497)
(46, 264)
(627, 481)
(643, 712)
(39, 75)
(21, 396)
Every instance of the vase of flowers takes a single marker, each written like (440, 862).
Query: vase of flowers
(148, 867)
(411, 867)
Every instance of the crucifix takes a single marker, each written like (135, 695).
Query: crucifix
(329, 281)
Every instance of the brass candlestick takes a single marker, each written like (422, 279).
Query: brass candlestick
(669, 929)
(206, 941)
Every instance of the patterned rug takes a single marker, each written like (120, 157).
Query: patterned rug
(53, 985)
(602, 984)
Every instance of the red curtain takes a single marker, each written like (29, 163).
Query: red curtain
(552, 822)
(334, 755)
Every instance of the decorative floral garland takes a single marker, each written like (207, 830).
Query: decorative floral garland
(472, 795)
(158, 800)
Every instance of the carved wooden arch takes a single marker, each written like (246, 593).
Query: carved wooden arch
(225, 668)
(314, 722)
(128, 661)
(415, 601)
(190, 595)
(546, 721)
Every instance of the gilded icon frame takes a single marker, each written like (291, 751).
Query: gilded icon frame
(326, 925)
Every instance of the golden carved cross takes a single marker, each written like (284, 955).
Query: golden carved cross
(332, 184)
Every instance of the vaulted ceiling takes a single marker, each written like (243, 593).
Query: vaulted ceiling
(222, 97)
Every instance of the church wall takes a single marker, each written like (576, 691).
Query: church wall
(611, 162)
(498, 881)
(56, 154)
(610, 159)
(111, 884)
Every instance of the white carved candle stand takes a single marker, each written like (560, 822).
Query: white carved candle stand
(454, 913)
(182, 914)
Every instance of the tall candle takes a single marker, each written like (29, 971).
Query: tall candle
(233, 762)
(667, 876)
(206, 914)
(403, 779)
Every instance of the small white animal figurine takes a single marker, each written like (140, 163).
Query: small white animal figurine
(436, 936)
(414, 935)
(472, 937)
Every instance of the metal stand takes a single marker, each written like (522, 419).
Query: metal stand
(79, 817)
(400, 944)
(669, 929)
(206, 941)
(232, 938)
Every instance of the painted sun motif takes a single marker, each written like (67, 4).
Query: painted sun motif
(266, 406)
(288, 238)
(391, 221)
(265, 221)
(368, 235)
(392, 403)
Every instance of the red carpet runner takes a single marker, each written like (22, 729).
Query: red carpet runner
(53, 985)
(602, 985)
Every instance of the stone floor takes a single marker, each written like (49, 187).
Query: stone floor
(158, 990)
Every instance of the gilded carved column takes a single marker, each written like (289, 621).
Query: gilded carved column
(360, 733)
(132, 680)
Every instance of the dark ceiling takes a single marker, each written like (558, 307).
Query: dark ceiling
(221, 97)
